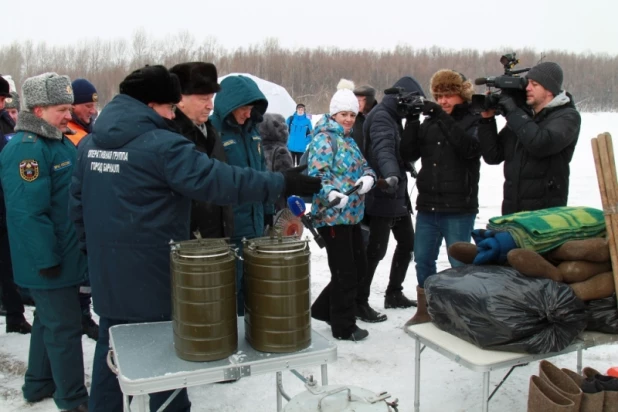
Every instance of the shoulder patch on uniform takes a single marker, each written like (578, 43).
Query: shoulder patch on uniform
(29, 170)
(29, 138)
(257, 138)
(229, 142)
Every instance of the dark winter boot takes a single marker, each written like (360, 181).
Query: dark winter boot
(18, 325)
(596, 383)
(89, 327)
(81, 408)
(591, 402)
(561, 382)
(357, 335)
(421, 315)
(397, 300)
(542, 397)
(367, 314)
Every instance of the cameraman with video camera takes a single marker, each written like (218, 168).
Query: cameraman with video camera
(537, 143)
(447, 142)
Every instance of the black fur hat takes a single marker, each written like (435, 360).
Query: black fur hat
(152, 84)
(5, 89)
(197, 78)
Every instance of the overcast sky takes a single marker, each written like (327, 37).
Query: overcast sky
(577, 26)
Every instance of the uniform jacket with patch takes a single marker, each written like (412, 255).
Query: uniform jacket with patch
(243, 146)
(338, 172)
(36, 167)
(208, 219)
(450, 152)
(536, 152)
(131, 195)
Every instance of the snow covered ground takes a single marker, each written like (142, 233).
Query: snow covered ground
(385, 360)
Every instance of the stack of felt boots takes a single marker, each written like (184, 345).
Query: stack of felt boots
(553, 391)
(603, 387)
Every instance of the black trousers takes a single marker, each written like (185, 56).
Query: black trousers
(380, 230)
(296, 157)
(348, 266)
(11, 299)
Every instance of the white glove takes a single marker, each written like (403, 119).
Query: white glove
(366, 183)
(343, 199)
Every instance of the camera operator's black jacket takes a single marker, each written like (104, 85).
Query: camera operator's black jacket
(536, 152)
(450, 151)
(382, 132)
(210, 220)
(358, 130)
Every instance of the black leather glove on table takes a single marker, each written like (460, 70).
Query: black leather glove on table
(51, 273)
(297, 183)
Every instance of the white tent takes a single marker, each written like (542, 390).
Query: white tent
(279, 100)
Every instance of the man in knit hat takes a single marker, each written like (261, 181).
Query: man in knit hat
(83, 111)
(537, 143)
(366, 96)
(131, 193)
(36, 167)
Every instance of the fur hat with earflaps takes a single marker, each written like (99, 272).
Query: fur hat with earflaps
(47, 89)
(344, 100)
(197, 78)
(445, 82)
(152, 84)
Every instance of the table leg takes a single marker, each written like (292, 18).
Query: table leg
(324, 375)
(279, 398)
(579, 361)
(142, 403)
(485, 391)
(126, 405)
(417, 375)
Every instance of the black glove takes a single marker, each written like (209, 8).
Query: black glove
(297, 183)
(389, 185)
(268, 220)
(506, 103)
(50, 273)
(432, 108)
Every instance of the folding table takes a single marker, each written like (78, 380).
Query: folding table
(485, 361)
(143, 357)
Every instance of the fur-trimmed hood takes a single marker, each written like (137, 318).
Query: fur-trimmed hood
(445, 82)
(28, 122)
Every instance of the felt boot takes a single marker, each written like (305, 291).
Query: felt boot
(591, 402)
(561, 382)
(592, 250)
(542, 397)
(580, 270)
(464, 252)
(597, 383)
(421, 315)
(597, 287)
(531, 264)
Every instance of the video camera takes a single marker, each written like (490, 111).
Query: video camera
(509, 83)
(408, 103)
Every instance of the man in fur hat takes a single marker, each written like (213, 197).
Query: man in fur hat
(537, 143)
(447, 143)
(198, 85)
(36, 167)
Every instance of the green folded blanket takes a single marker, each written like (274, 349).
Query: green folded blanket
(546, 229)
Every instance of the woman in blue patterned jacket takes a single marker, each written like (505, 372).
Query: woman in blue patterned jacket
(335, 157)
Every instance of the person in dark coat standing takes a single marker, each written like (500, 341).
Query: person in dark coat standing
(198, 84)
(388, 206)
(131, 194)
(36, 167)
(274, 132)
(448, 146)
(366, 96)
(537, 143)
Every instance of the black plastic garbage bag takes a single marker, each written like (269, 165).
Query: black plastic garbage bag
(603, 315)
(497, 308)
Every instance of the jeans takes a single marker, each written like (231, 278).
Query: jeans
(431, 228)
(105, 393)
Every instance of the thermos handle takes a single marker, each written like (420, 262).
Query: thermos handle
(334, 391)
(110, 362)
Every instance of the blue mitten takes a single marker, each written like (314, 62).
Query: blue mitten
(492, 247)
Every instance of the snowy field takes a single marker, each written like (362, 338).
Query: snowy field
(385, 360)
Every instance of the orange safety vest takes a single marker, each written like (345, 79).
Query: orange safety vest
(79, 133)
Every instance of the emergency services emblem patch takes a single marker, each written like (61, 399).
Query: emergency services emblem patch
(29, 170)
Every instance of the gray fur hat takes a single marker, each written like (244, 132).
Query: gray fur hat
(47, 89)
(12, 102)
(273, 128)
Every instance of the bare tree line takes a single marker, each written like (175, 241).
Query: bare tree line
(310, 75)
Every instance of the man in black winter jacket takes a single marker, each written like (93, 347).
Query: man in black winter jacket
(447, 144)
(366, 96)
(198, 85)
(536, 146)
(387, 206)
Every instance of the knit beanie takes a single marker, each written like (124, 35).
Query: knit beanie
(5, 89)
(448, 82)
(367, 91)
(152, 84)
(12, 102)
(344, 100)
(47, 89)
(197, 78)
(84, 92)
(548, 75)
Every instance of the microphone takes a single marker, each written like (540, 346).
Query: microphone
(297, 207)
(481, 81)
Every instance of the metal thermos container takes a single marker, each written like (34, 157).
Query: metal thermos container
(277, 294)
(204, 299)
